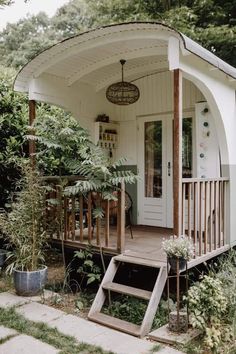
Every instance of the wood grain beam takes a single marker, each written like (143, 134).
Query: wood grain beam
(177, 151)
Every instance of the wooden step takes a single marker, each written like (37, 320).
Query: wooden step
(115, 323)
(139, 261)
(128, 290)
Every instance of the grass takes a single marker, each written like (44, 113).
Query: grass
(66, 344)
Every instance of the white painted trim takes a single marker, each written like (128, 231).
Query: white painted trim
(173, 53)
(142, 53)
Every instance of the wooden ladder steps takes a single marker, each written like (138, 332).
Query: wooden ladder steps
(128, 290)
(115, 323)
(139, 261)
(153, 297)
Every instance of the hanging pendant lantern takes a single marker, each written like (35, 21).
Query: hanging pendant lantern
(122, 93)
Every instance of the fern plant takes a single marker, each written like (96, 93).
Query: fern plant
(78, 155)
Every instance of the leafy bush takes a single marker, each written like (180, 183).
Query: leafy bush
(208, 305)
(88, 270)
(133, 310)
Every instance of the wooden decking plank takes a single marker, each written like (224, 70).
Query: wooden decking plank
(116, 323)
(128, 290)
(146, 255)
(139, 261)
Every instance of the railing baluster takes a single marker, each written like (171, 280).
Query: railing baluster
(206, 218)
(189, 210)
(98, 224)
(200, 220)
(73, 218)
(220, 212)
(210, 218)
(81, 218)
(65, 218)
(215, 215)
(195, 210)
(107, 223)
(183, 207)
(121, 219)
(223, 211)
(89, 217)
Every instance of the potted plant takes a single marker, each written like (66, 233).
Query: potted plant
(178, 250)
(24, 229)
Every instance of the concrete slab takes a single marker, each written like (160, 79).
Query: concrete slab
(24, 344)
(6, 332)
(168, 350)
(77, 327)
(9, 300)
(121, 343)
(95, 334)
(39, 313)
(164, 335)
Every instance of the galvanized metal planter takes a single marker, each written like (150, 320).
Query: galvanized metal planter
(30, 283)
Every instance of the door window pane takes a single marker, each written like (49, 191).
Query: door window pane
(153, 159)
(187, 147)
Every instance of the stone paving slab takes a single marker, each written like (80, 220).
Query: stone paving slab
(77, 327)
(24, 344)
(10, 300)
(6, 332)
(39, 313)
(168, 350)
(83, 330)
(95, 334)
(164, 335)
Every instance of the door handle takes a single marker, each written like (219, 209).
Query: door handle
(168, 168)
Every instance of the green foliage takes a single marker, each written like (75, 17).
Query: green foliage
(208, 306)
(13, 127)
(133, 310)
(88, 270)
(211, 22)
(24, 225)
(76, 154)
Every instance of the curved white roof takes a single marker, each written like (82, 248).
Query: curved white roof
(92, 56)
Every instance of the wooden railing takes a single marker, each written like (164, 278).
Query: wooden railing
(71, 218)
(204, 212)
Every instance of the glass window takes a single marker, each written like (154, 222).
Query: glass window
(187, 147)
(153, 159)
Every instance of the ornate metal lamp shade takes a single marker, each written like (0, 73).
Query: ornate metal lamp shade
(122, 93)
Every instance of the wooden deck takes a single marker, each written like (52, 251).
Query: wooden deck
(146, 244)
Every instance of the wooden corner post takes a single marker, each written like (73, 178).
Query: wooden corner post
(177, 151)
(32, 116)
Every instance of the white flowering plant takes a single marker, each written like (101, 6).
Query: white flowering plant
(179, 247)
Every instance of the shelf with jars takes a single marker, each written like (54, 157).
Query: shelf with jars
(106, 136)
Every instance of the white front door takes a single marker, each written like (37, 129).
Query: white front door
(155, 169)
(155, 162)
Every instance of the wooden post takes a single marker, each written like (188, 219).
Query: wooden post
(121, 219)
(177, 158)
(32, 115)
